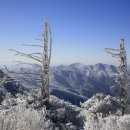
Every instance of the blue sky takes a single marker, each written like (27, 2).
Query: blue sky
(81, 28)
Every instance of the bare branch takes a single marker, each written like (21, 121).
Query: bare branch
(26, 55)
(32, 45)
(111, 49)
(36, 53)
(113, 54)
(34, 56)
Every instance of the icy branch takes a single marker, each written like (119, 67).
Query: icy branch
(26, 55)
(32, 45)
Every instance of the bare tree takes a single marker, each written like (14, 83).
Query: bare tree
(43, 58)
(123, 75)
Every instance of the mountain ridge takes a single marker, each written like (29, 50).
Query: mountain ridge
(74, 79)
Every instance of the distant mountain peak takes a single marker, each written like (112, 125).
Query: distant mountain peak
(100, 66)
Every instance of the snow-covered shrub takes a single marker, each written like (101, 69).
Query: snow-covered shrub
(64, 115)
(18, 118)
(9, 100)
(103, 113)
(111, 122)
(28, 112)
(17, 114)
(100, 103)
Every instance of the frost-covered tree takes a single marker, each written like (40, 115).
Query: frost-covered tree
(123, 75)
(102, 112)
(42, 58)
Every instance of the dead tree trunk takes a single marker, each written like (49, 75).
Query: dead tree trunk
(46, 63)
(123, 78)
